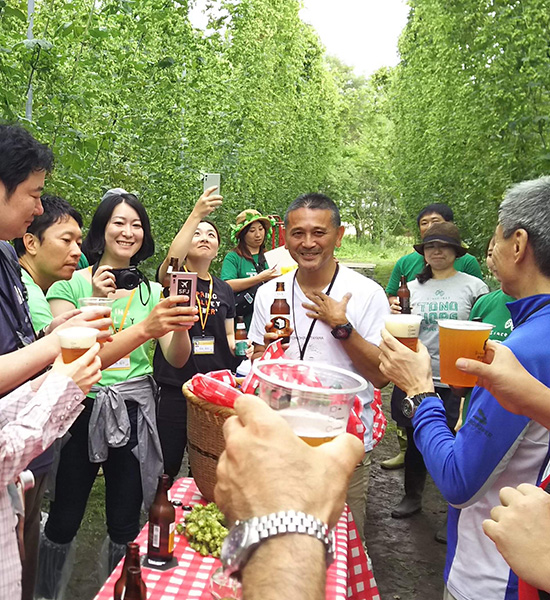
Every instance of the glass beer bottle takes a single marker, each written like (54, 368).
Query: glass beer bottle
(133, 589)
(279, 314)
(241, 338)
(131, 560)
(162, 525)
(404, 295)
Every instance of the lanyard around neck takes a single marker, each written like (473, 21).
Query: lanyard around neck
(303, 350)
(124, 315)
(199, 303)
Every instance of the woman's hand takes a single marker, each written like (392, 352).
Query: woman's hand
(411, 371)
(84, 371)
(395, 306)
(168, 316)
(208, 202)
(268, 274)
(103, 282)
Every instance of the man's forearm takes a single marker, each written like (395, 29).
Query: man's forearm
(286, 566)
(365, 358)
(23, 364)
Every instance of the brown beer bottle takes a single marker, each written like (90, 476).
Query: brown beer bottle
(131, 560)
(162, 525)
(133, 589)
(404, 295)
(279, 314)
(173, 266)
(241, 338)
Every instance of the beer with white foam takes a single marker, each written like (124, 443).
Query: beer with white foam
(75, 341)
(405, 328)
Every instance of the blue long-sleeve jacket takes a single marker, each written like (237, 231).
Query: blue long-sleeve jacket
(494, 448)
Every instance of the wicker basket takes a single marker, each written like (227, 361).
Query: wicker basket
(205, 440)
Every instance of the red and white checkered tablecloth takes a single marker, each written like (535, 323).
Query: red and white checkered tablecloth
(348, 577)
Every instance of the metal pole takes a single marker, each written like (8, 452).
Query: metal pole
(30, 16)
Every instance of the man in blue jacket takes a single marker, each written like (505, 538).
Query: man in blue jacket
(494, 448)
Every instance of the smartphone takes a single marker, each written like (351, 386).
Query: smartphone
(211, 179)
(184, 284)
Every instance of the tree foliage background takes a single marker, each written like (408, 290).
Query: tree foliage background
(470, 105)
(128, 93)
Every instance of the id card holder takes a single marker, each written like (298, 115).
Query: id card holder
(203, 345)
(122, 364)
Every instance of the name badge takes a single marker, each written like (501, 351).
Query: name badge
(203, 345)
(122, 364)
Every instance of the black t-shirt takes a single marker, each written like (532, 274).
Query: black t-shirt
(222, 307)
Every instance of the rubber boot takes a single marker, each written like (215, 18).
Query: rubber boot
(109, 557)
(411, 503)
(55, 565)
(398, 461)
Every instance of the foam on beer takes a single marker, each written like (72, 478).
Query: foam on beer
(403, 326)
(464, 325)
(77, 337)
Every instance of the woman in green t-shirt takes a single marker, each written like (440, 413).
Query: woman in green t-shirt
(117, 429)
(245, 268)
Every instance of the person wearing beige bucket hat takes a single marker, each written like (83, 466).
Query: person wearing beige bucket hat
(245, 268)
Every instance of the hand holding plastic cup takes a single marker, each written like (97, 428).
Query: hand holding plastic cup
(75, 341)
(405, 328)
(91, 303)
(314, 399)
(460, 339)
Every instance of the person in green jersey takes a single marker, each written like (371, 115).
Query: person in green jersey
(47, 252)
(245, 268)
(410, 266)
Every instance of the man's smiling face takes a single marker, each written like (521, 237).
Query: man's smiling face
(311, 237)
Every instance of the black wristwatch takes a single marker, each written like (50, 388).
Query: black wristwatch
(342, 332)
(411, 403)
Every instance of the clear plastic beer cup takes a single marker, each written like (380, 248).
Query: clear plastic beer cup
(405, 328)
(460, 339)
(314, 399)
(75, 341)
(92, 303)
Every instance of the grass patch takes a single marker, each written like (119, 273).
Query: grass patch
(384, 259)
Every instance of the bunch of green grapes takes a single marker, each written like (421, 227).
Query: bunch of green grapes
(204, 529)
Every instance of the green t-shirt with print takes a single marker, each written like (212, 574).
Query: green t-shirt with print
(79, 287)
(41, 313)
(412, 264)
(492, 308)
(237, 267)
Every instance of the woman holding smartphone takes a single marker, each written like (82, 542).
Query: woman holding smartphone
(212, 336)
(117, 429)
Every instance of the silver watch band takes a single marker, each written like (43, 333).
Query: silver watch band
(292, 521)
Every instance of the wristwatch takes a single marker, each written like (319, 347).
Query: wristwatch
(342, 332)
(245, 536)
(411, 403)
